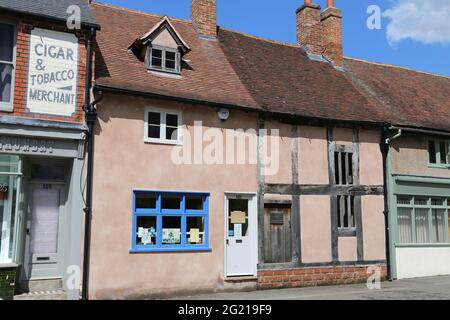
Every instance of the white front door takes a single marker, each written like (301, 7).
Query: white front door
(241, 235)
(44, 231)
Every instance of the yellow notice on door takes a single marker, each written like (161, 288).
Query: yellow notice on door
(194, 236)
(238, 217)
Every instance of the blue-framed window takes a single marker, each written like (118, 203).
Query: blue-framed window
(165, 221)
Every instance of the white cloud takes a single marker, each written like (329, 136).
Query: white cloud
(426, 21)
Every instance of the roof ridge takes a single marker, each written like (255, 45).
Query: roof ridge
(398, 67)
(140, 12)
(261, 38)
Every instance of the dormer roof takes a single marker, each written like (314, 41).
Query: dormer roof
(165, 29)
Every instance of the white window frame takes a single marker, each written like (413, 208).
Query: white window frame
(9, 106)
(163, 113)
(163, 68)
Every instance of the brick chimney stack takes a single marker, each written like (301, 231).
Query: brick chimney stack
(331, 19)
(309, 27)
(203, 15)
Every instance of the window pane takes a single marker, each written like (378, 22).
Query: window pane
(9, 164)
(146, 231)
(420, 201)
(6, 42)
(8, 194)
(146, 201)
(437, 201)
(195, 230)
(432, 151)
(422, 226)
(404, 225)
(443, 152)
(154, 131)
(171, 133)
(194, 203)
(154, 118)
(172, 120)
(438, 216)
(170, 55)
(170, 201)
(404, 200)
(171, 230)
(156, 53)
(170, 64)
(237, 205)
(6, 72)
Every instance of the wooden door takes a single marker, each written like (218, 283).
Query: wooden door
(277, 234)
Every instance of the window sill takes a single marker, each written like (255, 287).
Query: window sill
(168, 250)
(6, 107)
(163, 142)
(167, 74)
(422, 245)
(438, 166)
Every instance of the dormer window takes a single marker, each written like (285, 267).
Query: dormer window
(164, 59)
(162, 48)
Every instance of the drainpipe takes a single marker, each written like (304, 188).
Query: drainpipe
(90, 117)
(385, 151)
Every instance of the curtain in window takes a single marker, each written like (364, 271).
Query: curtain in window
(5, 82)
(6, 61)
(422, 226)
(438, 216)
(404, 225)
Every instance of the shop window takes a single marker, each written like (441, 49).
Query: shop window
(170, 221)
(7, 65)
(438, 153)
(9, 181)
(422, 220)
(162, 126)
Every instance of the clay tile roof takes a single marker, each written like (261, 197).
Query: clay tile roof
(250, 72)
(411, 98)
(283, 79)
(206, 75)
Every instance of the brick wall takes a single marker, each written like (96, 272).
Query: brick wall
(309, 28)
(21, 73)
(203, 15)
(310, 277)
(7, 283)
(332, 35)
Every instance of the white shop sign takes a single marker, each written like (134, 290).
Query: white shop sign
(53, 73)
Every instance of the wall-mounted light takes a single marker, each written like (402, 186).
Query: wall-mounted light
(224, 114)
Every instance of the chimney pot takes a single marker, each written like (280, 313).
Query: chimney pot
(330, 3)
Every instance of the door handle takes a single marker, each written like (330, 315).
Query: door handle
(228, 241)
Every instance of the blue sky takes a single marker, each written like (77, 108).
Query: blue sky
(414, 33)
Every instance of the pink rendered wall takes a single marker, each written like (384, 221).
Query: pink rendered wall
(348, 249)
(124, 162)
(315, 228)
(373, 227)
(313, 155)
(284, 174)
(371, 159)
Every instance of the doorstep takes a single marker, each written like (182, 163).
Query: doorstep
(241, 279)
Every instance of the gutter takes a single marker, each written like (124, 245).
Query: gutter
(91, 118)
(287, 117)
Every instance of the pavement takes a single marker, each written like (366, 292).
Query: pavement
(433, 288)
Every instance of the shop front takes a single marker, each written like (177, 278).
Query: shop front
(41, 204)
